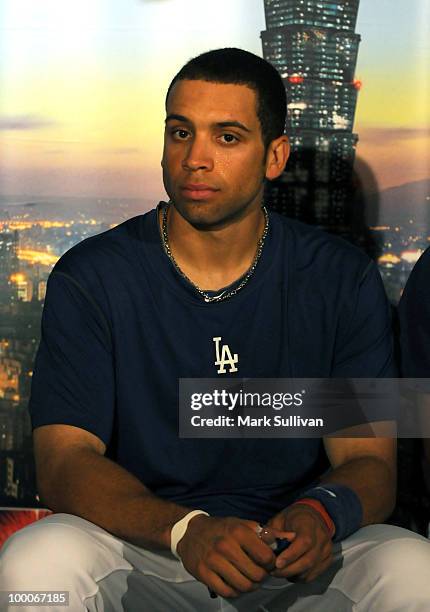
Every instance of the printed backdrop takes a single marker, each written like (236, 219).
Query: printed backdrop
(82, 88)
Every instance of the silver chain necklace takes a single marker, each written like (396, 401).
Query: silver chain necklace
(224, 295)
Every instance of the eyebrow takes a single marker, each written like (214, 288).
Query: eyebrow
(219, 124)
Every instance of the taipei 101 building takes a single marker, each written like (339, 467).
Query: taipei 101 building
(314, 47)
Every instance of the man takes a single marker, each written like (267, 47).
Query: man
(131, 311)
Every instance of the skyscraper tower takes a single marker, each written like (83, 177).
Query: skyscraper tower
(313, 45)
(9, 263)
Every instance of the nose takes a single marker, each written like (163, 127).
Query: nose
(198, 155)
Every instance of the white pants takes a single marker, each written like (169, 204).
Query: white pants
(378, 569)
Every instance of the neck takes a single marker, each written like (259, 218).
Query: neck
(213, 259)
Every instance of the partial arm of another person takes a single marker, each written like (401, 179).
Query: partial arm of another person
(414, 319)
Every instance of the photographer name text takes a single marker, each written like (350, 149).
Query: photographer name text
(248, 421)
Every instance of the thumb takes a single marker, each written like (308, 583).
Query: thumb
(277, 522)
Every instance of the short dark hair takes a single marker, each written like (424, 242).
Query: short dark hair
(239, 67)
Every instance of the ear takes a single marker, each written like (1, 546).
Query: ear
(277, 156)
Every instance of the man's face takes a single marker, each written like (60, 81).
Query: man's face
(213, 138)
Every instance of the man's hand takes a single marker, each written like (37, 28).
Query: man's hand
(310, 552)
(226, 554)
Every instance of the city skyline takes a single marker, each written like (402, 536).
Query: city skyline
(81, 112)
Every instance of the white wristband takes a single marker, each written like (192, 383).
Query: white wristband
(179, 529)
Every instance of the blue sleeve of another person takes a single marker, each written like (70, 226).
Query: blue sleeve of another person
(73, 378)
(364, 344)
(414, 315)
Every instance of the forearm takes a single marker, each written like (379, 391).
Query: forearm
(92, 486)
(373, 481)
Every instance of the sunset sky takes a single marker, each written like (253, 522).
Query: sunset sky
(82, 88)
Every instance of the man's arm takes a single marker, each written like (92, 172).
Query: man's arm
(365, 465)
(75, 477)
(368, 467)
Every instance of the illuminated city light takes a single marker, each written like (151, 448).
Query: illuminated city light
(320, 35)
(40, 257)
(297, 105)
(358, 84)
(17, 278)
(295, 79)
(45, 224)
(411, 256)
(389, 258)
(340, 122)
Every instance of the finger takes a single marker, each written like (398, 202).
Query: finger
(322, 553)
(317, 559)
(277, 532)
(235, 554)
(277, 540)
(281, 533)
(320, 548)
(256, 549)
(298, 547)
(216, 584)
(299, 567)
(253, 525)
(277, 522)
(318, 569)
(232, 576)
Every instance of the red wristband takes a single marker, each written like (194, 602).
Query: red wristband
(318, 506)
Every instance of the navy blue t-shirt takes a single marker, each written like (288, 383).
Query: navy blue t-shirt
(120, 326)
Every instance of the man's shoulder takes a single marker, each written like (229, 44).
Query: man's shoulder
(314, 248)
(104, 252)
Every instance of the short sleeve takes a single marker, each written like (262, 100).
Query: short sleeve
(364, 346)
(73, 375)
(414, 317)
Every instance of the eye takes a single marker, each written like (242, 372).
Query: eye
(229, 138)
(179, 134)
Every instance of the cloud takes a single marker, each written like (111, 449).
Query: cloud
(120, 151)
(389, 135)
(25, 122)
(125, 151)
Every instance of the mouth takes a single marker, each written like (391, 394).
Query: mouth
(198, 191)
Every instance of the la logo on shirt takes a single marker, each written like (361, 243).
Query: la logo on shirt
(224, 357)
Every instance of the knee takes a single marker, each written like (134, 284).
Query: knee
(401, 556)
(44, 548)
(401, 569)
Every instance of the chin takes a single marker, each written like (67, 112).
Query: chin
(204, 215)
